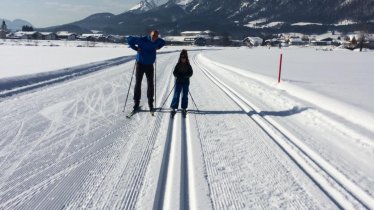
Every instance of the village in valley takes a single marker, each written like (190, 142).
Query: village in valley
(353, 40)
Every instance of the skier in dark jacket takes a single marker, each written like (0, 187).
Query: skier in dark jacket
(146, 47)
(182, 72)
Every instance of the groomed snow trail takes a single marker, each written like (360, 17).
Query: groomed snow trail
(70, 146)
(304, 156)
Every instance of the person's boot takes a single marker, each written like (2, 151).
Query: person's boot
(184, 112)
(173, 112)
(150, 105)
(136, 105)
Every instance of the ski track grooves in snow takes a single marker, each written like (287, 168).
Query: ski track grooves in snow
(335, 184)
(175, 182)
(15, 85)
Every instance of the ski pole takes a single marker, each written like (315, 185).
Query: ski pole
(132, 76)
(193, 101)
(168, 96)
(155, 83)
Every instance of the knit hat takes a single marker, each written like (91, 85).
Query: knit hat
(184, 52)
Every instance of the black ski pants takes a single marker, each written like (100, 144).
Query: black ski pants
(148, 70)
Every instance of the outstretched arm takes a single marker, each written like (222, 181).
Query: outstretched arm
(161, 44)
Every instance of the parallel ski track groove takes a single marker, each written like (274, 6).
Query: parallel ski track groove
(59, 173)
(164, 176)
(294, 146)
(161, 183)
(226, 194)
(130, 195)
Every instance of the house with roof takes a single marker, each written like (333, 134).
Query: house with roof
(253, 41)
(329, 38)
(49, 36)
(200, 38)
(65, 35)
(28, 35)
(94, 37)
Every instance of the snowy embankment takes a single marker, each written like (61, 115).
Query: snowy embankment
(337, 81)
(25, 67)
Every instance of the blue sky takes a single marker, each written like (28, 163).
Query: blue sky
(43, 13)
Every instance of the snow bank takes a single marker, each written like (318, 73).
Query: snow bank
(308, 83)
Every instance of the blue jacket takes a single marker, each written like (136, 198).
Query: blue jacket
(147, 55)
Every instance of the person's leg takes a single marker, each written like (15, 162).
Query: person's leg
(149, 73)
(138, 84)
(185, 95)
(177, 92)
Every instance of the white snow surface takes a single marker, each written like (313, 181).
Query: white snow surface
(247, 142)
(20, 60)
(338, 74)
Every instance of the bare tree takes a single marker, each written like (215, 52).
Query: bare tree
(362, 39)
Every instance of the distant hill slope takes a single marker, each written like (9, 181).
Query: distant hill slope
(15, 24)
(235, 17)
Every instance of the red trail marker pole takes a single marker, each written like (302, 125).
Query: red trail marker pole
(280, 68)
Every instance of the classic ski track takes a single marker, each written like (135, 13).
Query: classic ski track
(176, 152)
(54, 178)
(128, 197)
(77, 123)
(39, 170)
(46, 167)
(22, 179)
(178, 131)
(137, 164)
(300, 153)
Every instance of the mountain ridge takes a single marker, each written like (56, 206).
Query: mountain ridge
(235, 16)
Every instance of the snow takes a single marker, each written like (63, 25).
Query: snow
(338, 74)
(247, 142)
(136, 7)
(345, 22)
(305, 24)
(261, 24)
(43, 59)
(183, 2)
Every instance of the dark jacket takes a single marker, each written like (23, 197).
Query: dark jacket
(147, 55)
(183, 72)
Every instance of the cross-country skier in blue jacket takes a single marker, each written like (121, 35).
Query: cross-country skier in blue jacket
(146, 47)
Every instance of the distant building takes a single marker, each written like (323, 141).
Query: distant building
(253, 41)
(117, 38)
(296, 41)
(179, 40)
(28, 35)
(3, 26)
(49, 36)
(3, 30)
(96, 36)
(199, 38)
(2, 34)
(65, 35)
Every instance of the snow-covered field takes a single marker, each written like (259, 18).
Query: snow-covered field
(251, 143)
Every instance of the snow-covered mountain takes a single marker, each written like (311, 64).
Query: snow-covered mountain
(237, 16)
(146, 5)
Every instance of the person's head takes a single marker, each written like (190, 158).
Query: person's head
(154, 35)
(183, 57)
